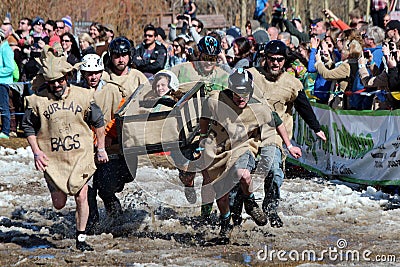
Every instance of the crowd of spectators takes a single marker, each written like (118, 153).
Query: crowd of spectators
(345, 65)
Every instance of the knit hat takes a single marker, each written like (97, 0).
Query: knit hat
(67, 21)
(37, 20)
(53, 67)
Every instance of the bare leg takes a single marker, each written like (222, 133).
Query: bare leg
(245, 181)
(59, 199)
(223, 204)
(82, 208)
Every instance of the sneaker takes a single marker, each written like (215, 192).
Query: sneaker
(83, 246)
(252, 208)
(13, 134)
(190, 194)
(4, 136)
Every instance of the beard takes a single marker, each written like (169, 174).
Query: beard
(272, 75)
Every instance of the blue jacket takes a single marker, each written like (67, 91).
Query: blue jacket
(322, 87)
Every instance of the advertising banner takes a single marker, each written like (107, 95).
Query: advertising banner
(361, 146)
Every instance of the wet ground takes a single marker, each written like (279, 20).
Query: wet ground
(325, 223)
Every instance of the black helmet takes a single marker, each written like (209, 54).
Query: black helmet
(119, 45)
(241, 82)
(209, 45)
(275, 47)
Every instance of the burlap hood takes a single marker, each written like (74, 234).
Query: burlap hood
(53, 66)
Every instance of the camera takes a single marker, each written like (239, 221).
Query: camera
(391, 45)
(366, 54)
(181, 17)
(261, 47)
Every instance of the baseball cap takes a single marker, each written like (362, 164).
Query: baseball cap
(315, 21)
(393, 24)
(161, 32)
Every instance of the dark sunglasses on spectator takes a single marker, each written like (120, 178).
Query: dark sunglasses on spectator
(175, 45)
(60, 27)
(210, 58)
(59, 81)
(273, 59)
(195, 25)
(66, 41)
(22, 22)
(148, 35)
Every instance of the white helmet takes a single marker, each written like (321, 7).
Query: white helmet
(173, 80)
(92, 62)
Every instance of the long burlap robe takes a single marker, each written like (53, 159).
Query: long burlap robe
(279, 94)
(234, 131)
(65, 137)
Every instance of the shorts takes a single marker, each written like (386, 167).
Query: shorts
(227, 183)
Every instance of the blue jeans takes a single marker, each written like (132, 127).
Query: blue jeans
(5, 109)
(271, 163)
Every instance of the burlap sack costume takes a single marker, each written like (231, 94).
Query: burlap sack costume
(129, 82)
(189, 74)
(239, 130)
(280, 96)
(64, 136)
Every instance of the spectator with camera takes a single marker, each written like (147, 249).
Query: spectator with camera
(195, 28)
(393, 31)
(322, 87)
(383, 100)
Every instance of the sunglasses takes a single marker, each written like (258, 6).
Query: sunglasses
(59, 81)
(60, 27)
(209, 58)
(243, 96)
(148, 35)
(195, 25)
(22, 22)
(65, 41)
(175, 45)
(278, 59)
(48, 30)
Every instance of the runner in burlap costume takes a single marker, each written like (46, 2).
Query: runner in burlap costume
(283, 92)
(57, 125)
(121, 82)
(236, 125)
(214, 78)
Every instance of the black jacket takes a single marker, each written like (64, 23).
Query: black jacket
(159, 54)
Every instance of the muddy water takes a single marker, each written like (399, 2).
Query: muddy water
(317, 214)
